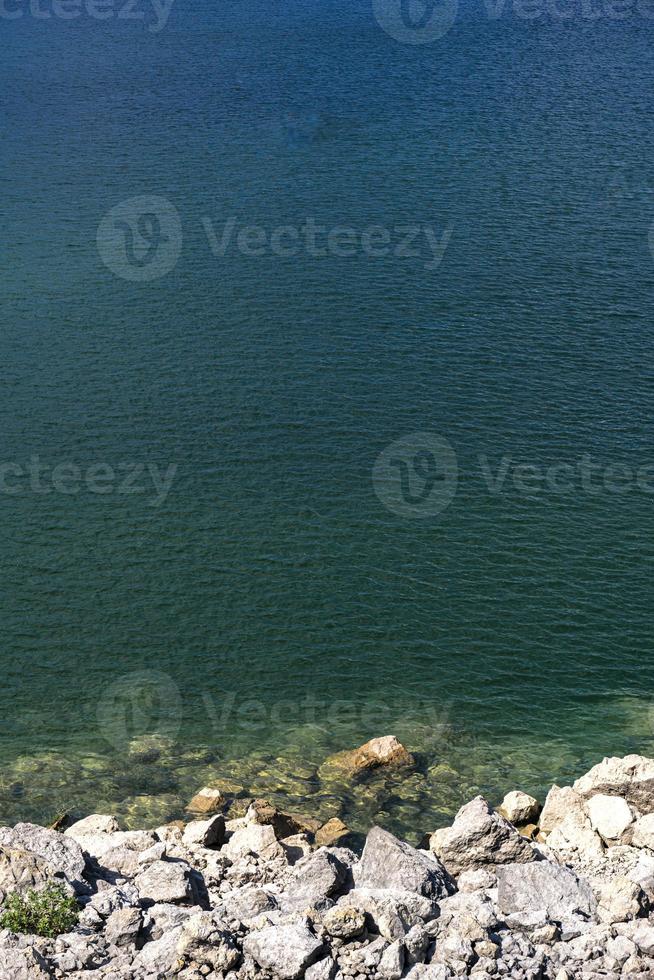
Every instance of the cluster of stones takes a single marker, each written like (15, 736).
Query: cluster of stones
(562, 892)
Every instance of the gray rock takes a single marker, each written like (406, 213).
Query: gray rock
(256, 839)
(520, 808)
(123, 925)
(631, 777)
(165, 881)
(543, 885)
(479, 836)
(392, 913)
(315, 878)
(21, 870)
(322, 970)
(205, 941)
(344, 922)
(246, 904)
(391, 965)
(609, 815)
(60, 852)
(392, 865)
(205, 833)
(23, 964)
(285, 950)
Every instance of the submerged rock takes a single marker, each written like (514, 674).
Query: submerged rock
(378, 752)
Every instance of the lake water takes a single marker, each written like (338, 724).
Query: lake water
(327, 402)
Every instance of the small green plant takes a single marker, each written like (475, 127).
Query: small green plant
(49, 912)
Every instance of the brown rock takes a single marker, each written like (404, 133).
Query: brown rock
(208, 800)
(385, 751)
(284, 824)
(331, 832)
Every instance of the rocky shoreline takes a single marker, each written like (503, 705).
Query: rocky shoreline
(521, 891)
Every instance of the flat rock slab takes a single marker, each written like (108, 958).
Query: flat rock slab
(284, 950)
(543, 885)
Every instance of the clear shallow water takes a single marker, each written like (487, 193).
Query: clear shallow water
(508, 636)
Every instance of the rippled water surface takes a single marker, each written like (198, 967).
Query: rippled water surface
(271, 593)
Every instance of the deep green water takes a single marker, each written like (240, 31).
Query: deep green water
(283, 599)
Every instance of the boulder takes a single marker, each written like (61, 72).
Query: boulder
(205, 833)
(621, 900)
(391, 964)
(393, 914)
(643, 832)
(558, 803)
(123, 926)
(344, 922)
(609, 815)
(385, 751)
(165, 881)
(285, 950)
(256, 839)
(207, 800)
(23, 964)
(390, 864)
(566, 823)
(95, 823)
(324, 969)
(59, 851)
(315, 878)
(543, 885)
(519, 808)
(631, 777)
(21, 870)
(479, 836)
(204, 941)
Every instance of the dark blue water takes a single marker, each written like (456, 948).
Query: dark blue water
(251, 584)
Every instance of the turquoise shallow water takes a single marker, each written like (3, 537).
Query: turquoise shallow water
(278, 602)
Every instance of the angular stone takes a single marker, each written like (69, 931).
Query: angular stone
(479, 836)
(284, 824)
(565, 821)
(285, 950)
(204, 941)
(324, 969)
(621, 900)
(95, 823)
(23, 964)
(391, 965)
(385, 751)
(165, 881)
(393, 913)
(631, 777)
(256, 839)
(558, 803)
(344, 922)
(207, 800)
(390, 864)
(21, 870)
(643, 832)
(315, 878)
(609, 815)
(519, 808)
(59, 851)
(543, 885)
(205, 833)
(123, 925)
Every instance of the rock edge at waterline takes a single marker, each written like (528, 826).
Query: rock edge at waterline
(566, 893)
